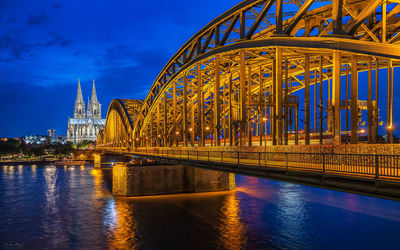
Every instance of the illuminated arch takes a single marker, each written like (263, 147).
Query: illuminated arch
(119, 123)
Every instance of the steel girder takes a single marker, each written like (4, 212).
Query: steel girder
(119, 122)
(244, 41)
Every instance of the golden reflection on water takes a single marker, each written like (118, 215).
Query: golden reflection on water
(231, 229)
(98, 182)
(123, 236)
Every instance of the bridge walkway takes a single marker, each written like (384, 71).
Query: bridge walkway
(383, 167)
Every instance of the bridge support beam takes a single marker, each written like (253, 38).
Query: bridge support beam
(337, 65)
(217, 102)
(354, 100)
(230, 115)
(389, 128)
(185, 130)
(175, 132)
(307, 99)
(242, 97)
(272, 110)
(249, 108)
(200, 107)
(165, 121)
(376, 115)
(369, 101)
(278, 95)
(261, 107)
(321, 99)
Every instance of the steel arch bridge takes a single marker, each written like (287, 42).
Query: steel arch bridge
(241, 79)
(119, 123)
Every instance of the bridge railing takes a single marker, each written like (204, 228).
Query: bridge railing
(370, 165)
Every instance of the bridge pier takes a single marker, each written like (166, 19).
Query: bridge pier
(106, 160)
(133, 180)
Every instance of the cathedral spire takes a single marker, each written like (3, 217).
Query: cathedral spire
(79, 98)
(79, 111)
(94, 95)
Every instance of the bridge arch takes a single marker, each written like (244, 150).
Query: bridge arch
(245, 67)
(121, 115)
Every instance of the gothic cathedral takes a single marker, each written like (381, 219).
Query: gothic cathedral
(86, 123)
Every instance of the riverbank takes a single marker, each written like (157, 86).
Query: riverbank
(26, 162)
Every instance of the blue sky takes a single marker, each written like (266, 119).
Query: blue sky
(45, 46)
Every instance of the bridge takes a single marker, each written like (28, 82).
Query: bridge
(289, 84)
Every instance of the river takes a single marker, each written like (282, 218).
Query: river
(44, 207)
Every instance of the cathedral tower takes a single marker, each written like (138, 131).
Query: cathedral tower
(86, 124)
(94, 108)
(79, 111)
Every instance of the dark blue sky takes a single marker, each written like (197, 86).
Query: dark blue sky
(45, 46)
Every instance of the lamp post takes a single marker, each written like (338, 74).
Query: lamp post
(390, 136)
(265, 119)
(207, 129)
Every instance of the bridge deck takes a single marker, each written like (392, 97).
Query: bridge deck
(383, 167)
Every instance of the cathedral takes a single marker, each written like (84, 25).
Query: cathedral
(86, 123)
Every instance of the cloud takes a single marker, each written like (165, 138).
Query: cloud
(127, 73)
(37, 19)
(58, 40)
(15, 47)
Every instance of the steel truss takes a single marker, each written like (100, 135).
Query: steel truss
(236, 79)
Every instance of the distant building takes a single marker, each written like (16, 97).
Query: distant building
(85, 124)
(43, 139)
(35, 139)
(51, 133)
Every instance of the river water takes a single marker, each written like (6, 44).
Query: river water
(44, 207)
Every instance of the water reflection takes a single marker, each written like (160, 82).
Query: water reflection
(291, 212)
(52, 222)
(34, 171)
(58, 208)
(231, 229)
(120, 217)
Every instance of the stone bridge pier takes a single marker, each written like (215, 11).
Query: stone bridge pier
(106, 160)
(136, 180)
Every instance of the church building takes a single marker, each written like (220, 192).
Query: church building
(85, 124)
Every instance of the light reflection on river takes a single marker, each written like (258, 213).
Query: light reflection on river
(72, 207)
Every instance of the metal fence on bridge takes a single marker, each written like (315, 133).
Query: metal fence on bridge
(370, 165)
